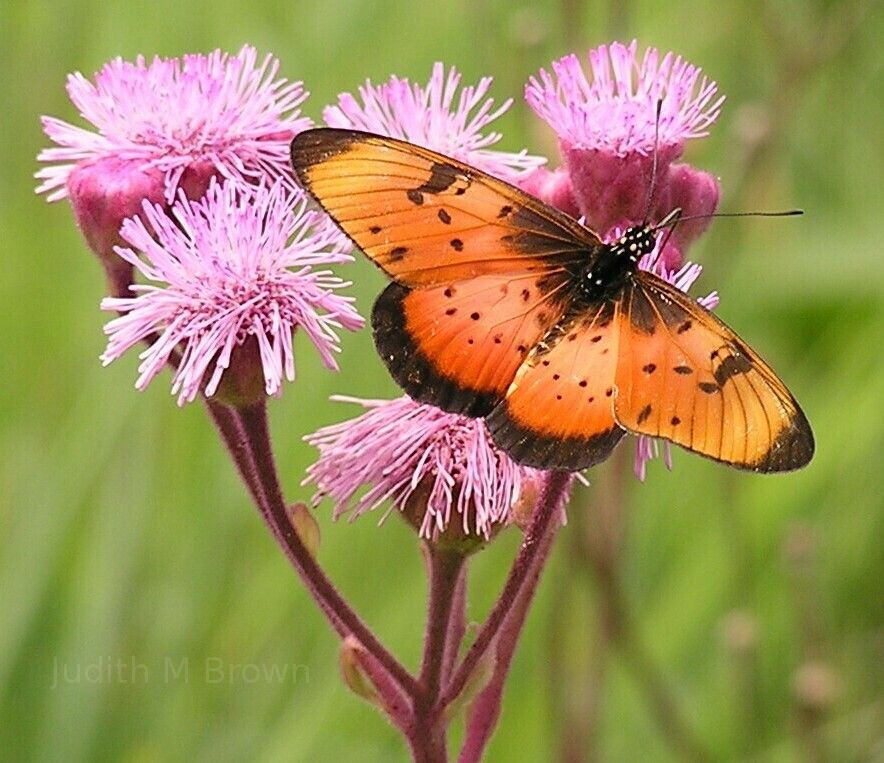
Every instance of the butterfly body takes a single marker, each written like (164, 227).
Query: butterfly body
(605, 275)
(505, 308)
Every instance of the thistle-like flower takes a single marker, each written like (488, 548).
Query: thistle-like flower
(441, 116)
(230, 280)
(163, 126)
(190, 118)
(607, 128)
(441, 470)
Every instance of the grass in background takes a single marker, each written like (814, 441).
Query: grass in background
(125, 535)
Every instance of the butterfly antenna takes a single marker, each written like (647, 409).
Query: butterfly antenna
(675, 216)
(653, 184)
(669, 222)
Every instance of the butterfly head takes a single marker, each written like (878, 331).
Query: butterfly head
(635, 243)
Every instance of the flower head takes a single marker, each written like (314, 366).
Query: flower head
(190, 118)
(230, 277)
(440, 469)
(615, 110)
(608, 133)
(441, 116)
(682, 277)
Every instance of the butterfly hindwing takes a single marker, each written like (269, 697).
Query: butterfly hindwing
(458, 346)
(426, 219)
(558, 412)
(685, 376)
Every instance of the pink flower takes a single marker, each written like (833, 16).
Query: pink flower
(231, 279)
(439, 469)
(441, 116)
(553, 187)
(648, 448)
(606, 128)
(188, 118)
(616, 110)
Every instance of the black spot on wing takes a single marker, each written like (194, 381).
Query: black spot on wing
(643, 414)
(731, 366)
(708, 387)
(444, 217)
(442, 177)
(411, 369)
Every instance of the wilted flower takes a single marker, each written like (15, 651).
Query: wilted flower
(441, 116)
(607, 128)
(236, 278)
(440, 469)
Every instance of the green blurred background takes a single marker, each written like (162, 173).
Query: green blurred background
(704, 614)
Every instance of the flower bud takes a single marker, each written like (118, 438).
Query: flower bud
(103, 193)
(305, 526)
(366, 678)
(552, 187)
(694, 192)
(353, 673)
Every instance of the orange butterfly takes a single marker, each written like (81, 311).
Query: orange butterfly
(503, 307)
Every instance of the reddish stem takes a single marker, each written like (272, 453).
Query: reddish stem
(457, 624)
(252, 421)
(228, 426)
(549, 505)
(484, 711)
(427, 737)
(445, 570)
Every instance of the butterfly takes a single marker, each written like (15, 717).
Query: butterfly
(503, 307)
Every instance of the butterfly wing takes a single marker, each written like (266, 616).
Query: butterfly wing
(683, 375)
(428, 220)
(481, 270)
(458, 346)
(558, 412)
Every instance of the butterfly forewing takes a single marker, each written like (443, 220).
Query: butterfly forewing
(427, 219)
(558, 412)
(685, 376)
(458, 346)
